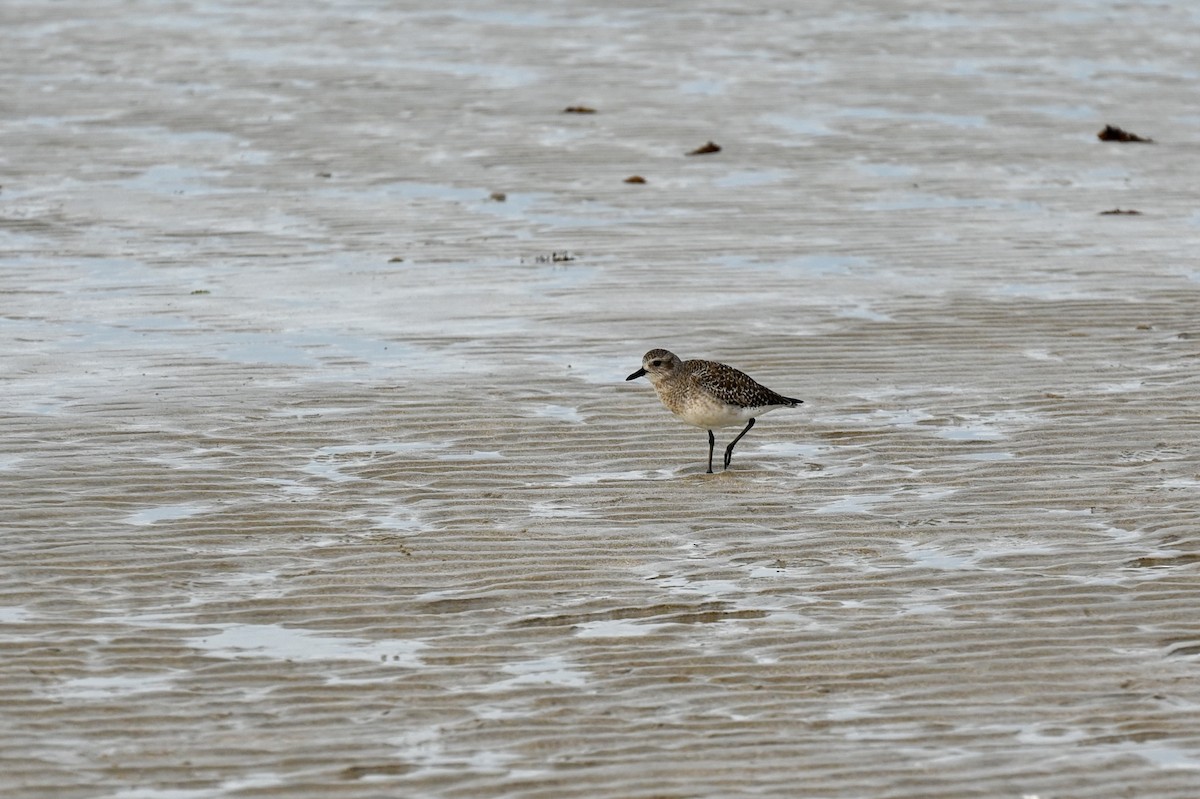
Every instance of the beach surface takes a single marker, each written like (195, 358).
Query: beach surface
(320, 477)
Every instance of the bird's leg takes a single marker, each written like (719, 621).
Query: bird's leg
(712, 442)
(729, 449)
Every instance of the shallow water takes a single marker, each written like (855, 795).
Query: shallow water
(321, 475)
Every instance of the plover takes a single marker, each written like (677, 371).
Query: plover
(708, 394)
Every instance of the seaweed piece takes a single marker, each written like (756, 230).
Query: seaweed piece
(554, 258)
(1113, 133)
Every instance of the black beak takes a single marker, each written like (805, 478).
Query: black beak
(636, 374)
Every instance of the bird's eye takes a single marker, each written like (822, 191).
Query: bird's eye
(656, 363)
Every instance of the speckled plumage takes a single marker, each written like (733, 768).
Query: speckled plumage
(708, 394)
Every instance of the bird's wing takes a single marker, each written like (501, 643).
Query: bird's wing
(734, 386)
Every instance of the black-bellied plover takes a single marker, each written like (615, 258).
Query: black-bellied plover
(708, 394)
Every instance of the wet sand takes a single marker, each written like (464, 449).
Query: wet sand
(321, 476)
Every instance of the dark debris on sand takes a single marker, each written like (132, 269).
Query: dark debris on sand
(1113, 133)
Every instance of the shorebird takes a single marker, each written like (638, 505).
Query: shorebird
(707, 394)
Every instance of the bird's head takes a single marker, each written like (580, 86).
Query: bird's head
(657, 364)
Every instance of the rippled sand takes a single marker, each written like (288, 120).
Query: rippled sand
(321, 477)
